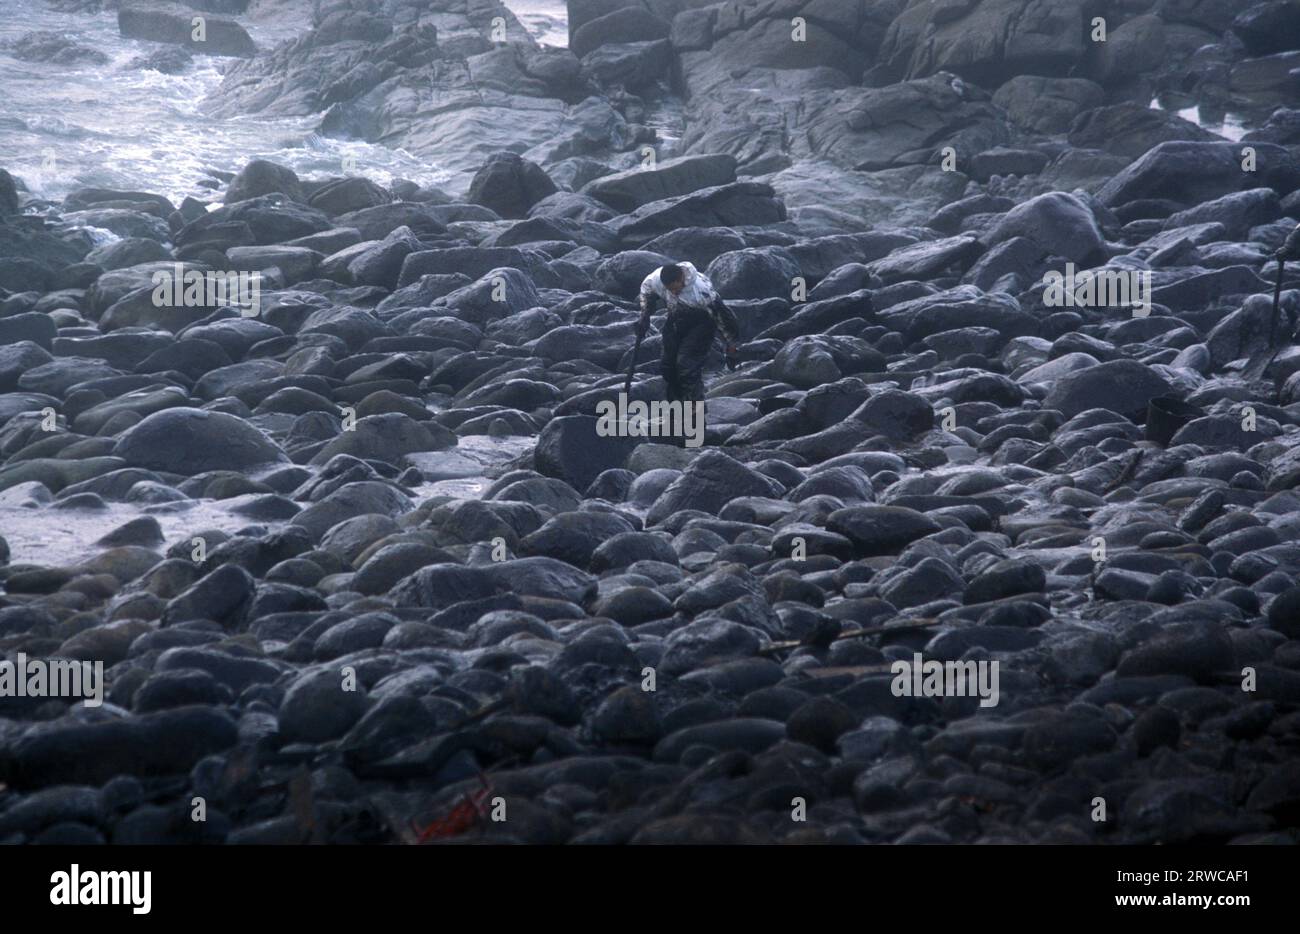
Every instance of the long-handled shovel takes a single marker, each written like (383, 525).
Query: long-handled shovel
(1290, 250)
(631, 367)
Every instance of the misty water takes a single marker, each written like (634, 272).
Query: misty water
(113, 125)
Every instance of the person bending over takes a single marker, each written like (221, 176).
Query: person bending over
(696, 314)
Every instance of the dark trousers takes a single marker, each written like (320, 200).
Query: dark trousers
(688, 337)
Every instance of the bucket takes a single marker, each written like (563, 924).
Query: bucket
(1165, 415)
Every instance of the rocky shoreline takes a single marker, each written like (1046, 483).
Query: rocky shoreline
(923, 451)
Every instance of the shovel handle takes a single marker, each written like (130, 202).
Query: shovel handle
(631, 367)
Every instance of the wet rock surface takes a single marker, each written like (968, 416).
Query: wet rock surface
(359, 539)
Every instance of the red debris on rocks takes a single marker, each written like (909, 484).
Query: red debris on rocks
(467, 812)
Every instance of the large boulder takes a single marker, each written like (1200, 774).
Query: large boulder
(363, 498)
(626, 191)
(740, 203)
(721, 43)
(629, 24)
(224, 596)
(827, 199)
(548, 578)
(895, 414)
(1132, 48)
(622, 274)
(569, 449)
(1191, 172)
(1238, 212)
(318, 707)
(1269, 28)
(1242, 333)
(985, 41)
(263, 220)
(387, 438)
(425, 220)
(1057, 223)
(381, 263)
(632, 65)
(806, 362)
(1129, 129)
(762, 272)
(510, 184)
(880, 530)
(132, 251)
(1047, 105)
(56, 50)
(343, 195)
(261, 177)
(165, 743)
(573, 537)
(859, 129)
(8, 194)
(190, 441)
(710, 482)
(1123, 386)
(498, 293)
(16, 359)
(962, 307)
(603, 345)
(698, 245)
(467, 261)
(174, 23)
(927, 259)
